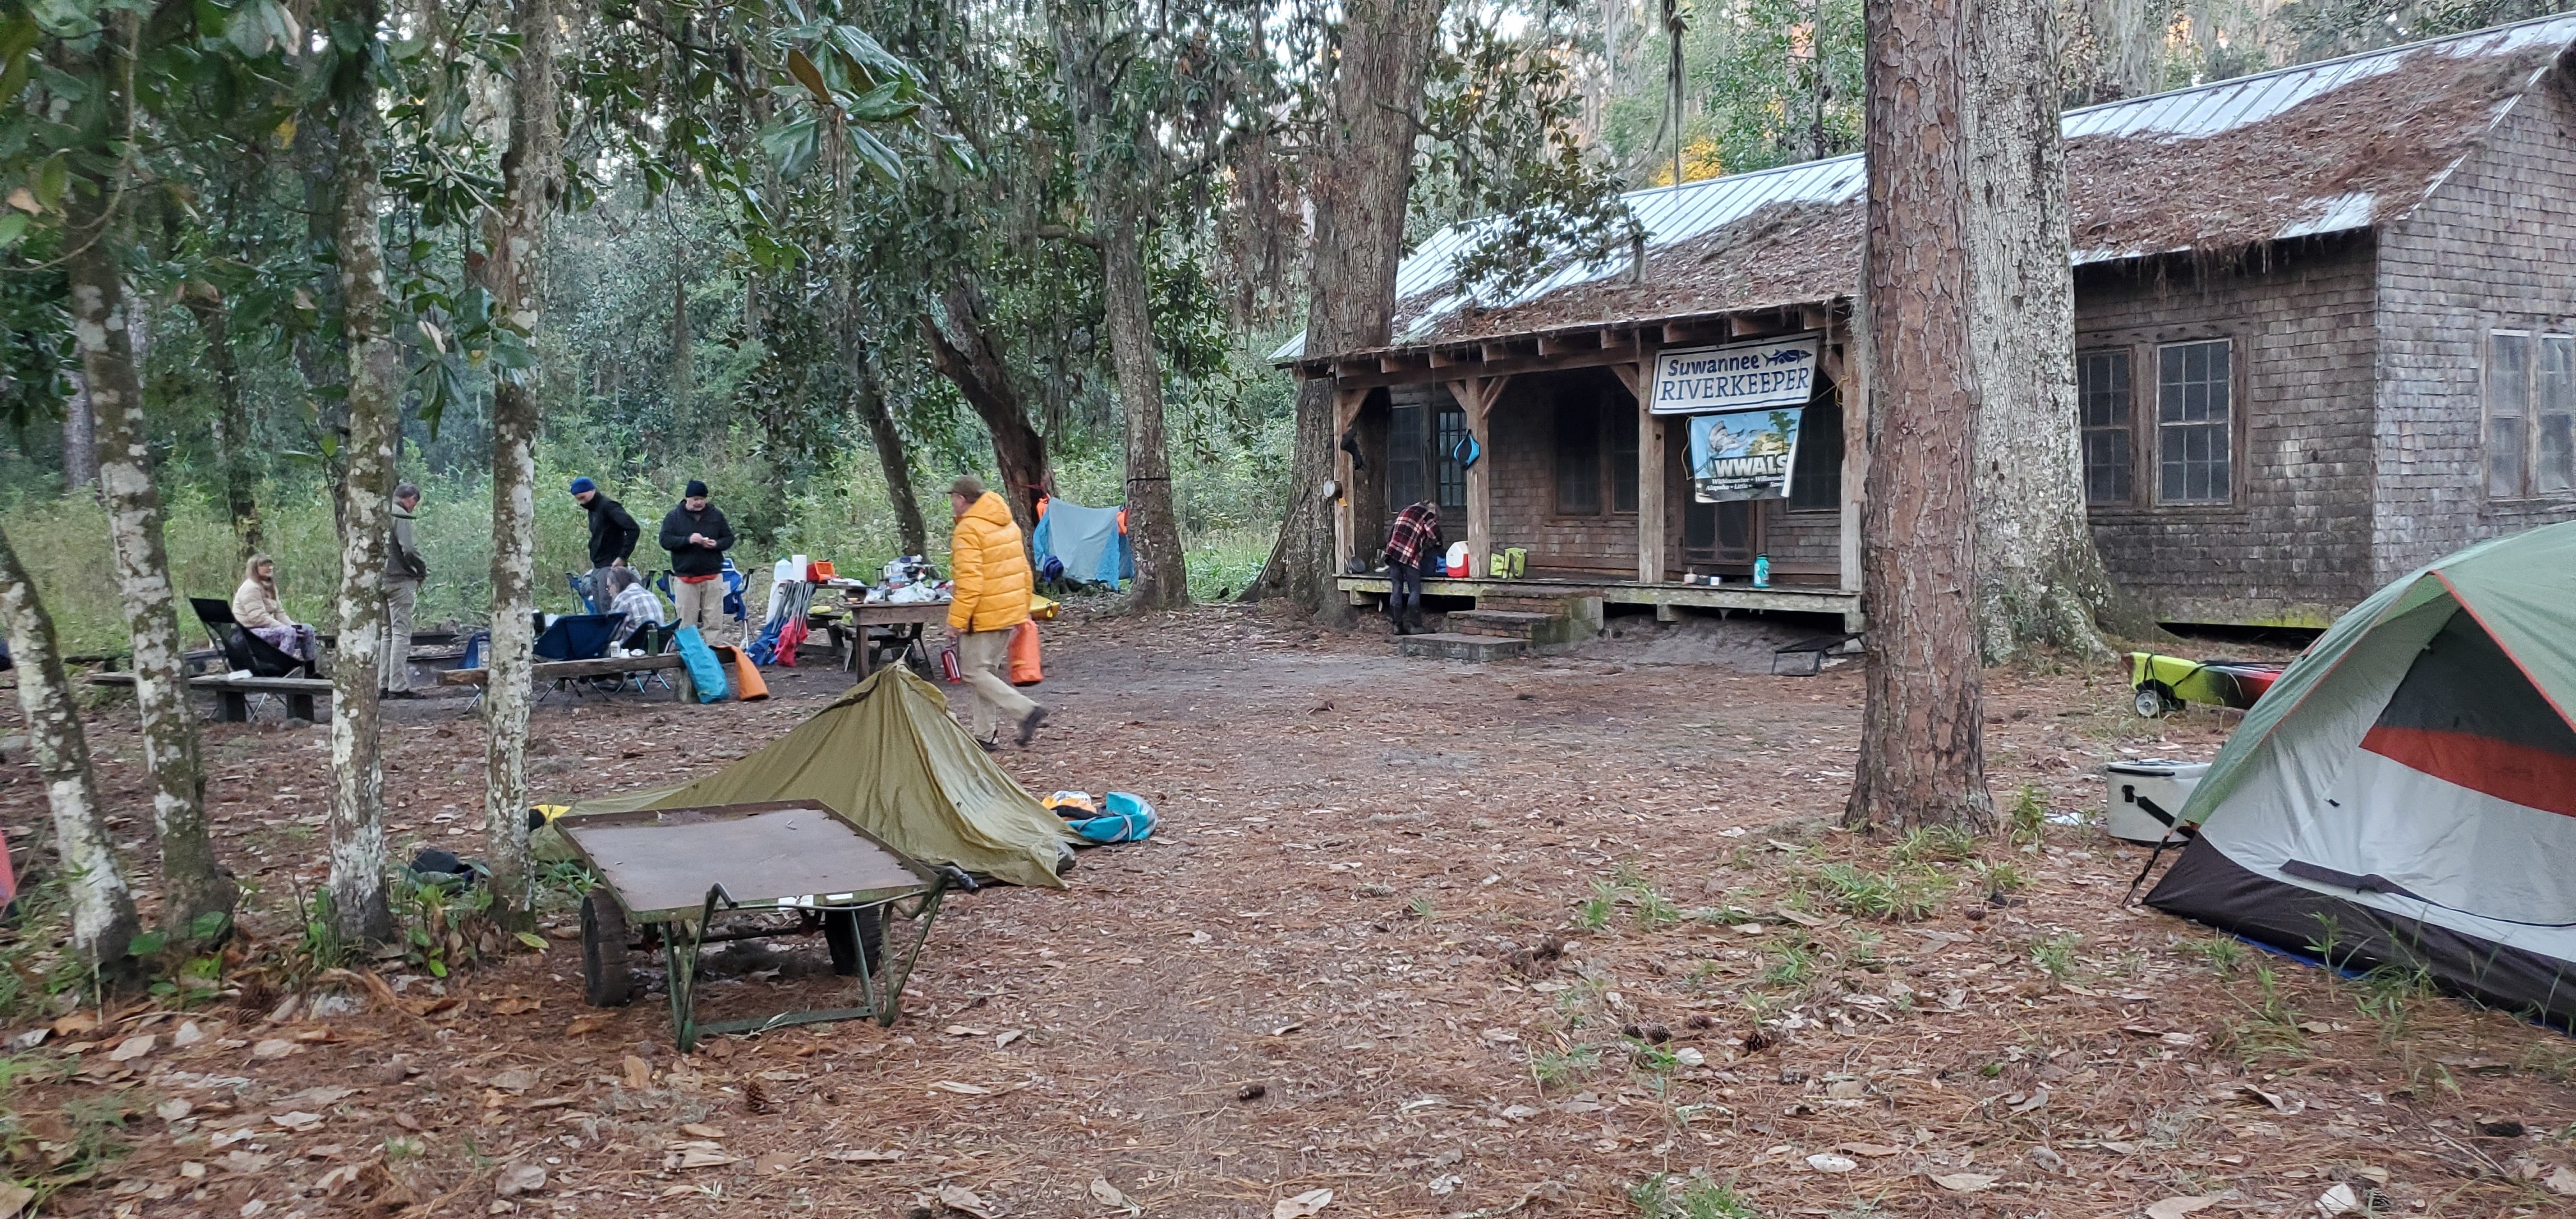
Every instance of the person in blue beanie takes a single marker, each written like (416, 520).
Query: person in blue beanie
(613, 535)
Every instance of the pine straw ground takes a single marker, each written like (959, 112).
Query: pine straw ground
(1335, 969)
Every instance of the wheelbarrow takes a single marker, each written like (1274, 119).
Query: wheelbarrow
(2163, 684)
(666, 879)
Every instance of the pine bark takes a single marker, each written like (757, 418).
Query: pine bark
(233, 448)
(102, 905)
(513, 243)
(2040, 578)
(1361, 175)
(964, 352)
(360, 908)
(1922, 734)
(193, 885)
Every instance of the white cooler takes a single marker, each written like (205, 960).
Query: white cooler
(2167, 783)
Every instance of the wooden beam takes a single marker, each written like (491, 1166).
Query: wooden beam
(1347, 401)
(1853, 390)
(1815, 317)
(1640, 378)
(1476, 396)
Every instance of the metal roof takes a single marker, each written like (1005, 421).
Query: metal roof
(1428, 295)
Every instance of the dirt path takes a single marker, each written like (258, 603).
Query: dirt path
(1337, 967)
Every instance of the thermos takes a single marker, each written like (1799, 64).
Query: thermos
(1762, 571)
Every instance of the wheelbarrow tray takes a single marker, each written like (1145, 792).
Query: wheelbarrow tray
(2222, 683)
(675, 870)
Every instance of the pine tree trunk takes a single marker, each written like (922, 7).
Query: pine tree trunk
(192, 884)
(964, 352)
(513, 241)
(870, 400)
(102, 907)
(2040, 578)
(1162, 577)
(1360, 175)
(233, 447)
(1922, 759)
(360, 910)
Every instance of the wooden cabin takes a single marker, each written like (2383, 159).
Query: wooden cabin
(2325, 332)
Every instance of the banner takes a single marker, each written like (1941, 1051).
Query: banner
(1744, 455)
(1739, 377)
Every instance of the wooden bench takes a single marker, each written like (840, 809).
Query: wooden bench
(558, 670)
(232, 694)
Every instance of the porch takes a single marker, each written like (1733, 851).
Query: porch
(1667, 598)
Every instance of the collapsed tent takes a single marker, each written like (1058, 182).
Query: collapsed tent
(888, 757)
(2405, 795)
(1089, 542)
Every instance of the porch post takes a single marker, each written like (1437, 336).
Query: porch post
(1476, 397)
(1346, 410)
(1851, 385)
(1650, 472)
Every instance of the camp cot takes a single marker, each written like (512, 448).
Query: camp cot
(2404, 796)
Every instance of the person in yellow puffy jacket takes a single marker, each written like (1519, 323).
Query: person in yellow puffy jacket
(990, 567)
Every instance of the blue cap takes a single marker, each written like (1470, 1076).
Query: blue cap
(580, 485)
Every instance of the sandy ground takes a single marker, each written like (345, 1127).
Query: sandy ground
(1438, 938)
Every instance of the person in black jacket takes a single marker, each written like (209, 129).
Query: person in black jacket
(697, 535)
(613, 535)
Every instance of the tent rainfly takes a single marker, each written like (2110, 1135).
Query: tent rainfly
(2405, 796)
(888, 757)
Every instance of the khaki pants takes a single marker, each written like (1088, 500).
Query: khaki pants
(701, 604)
(400, 597)
(983, 657)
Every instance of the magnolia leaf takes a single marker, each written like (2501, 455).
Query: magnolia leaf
(885, 104)
(533, 940)
(878, 157)
(52, 179)
(11, 229)
(811, 77)
(868, 63)
(792, 145)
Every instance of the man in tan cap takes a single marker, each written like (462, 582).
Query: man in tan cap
(990, 568)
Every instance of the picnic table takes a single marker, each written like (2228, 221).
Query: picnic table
(232, 694)
(671, 873)
(559, 670)
(900, 624)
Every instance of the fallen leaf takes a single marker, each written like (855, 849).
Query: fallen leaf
(298, 1121)
(587, 1022)
(1846, 1089)
(75, 1024)
(514, 1005)
(14, 1198)
(2180, 1039)
(2280, 1102)
(516, 1079)
(2562, 1182)
(1822, 1162)
(2339, 1200)
(1501, 1036)
(1007, 1038)
(639, 1073)
(133, 1047)
(1751, 929)
(2176, 1208)
(773, 1162)
(863, 1156)
(271, 1048)
(950, 1085)
(961, 1030)
(331, 1182)
(1875, 1151)
(702, 1157)
(960, 1198)
(1308, 1203)
(700, 1130)
(173, 1109)
(1107, 1194)
(520, 1178)
(1965, 1182)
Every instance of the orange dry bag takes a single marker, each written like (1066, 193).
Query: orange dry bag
(1024, 655)
(747, 684)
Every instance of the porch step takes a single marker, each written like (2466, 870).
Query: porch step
(1506, 624)
(1461, 647)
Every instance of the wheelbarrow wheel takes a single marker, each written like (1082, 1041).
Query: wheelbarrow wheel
(2152, 702)
(846, 931)
(607, 973)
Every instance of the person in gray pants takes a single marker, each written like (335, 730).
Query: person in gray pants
(404, 571)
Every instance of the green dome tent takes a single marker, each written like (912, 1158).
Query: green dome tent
(888, 757)
(2405, 794)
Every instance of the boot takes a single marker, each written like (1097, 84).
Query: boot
(1395, 614)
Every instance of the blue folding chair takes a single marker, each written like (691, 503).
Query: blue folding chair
(586, 591)
(578, 637)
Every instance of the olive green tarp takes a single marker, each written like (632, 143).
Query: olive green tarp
(888, 757)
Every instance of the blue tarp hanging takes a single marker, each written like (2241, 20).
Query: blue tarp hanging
(1086, 541)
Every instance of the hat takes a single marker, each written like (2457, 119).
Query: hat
(967, 485)
(695, 490)
(580, 485)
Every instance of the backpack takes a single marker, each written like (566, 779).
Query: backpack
(706, 673)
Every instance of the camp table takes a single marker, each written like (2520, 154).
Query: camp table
(903, 623)
(671, 872)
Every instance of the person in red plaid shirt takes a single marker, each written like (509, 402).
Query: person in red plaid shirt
(1414, 542)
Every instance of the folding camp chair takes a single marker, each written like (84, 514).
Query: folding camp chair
(583, 587)
(578, 637)
(244, 651)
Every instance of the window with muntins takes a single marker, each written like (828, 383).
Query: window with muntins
(2194, 419)
(1578, 458)
(1453, 477)
(2103, 399)
(1623, 427)
(1405, 455)
(2531, 413)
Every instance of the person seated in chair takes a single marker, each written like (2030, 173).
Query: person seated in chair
(257, 609)
(633, 599)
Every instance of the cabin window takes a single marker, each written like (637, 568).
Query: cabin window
(1816, 481)
(2102, 397)
(1623, 427)
(1421, 456)
(1453, 477)
(1405, 456)
(2531, 413)
(2194, 411)
(1578, 457)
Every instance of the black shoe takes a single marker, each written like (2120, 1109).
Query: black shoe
(1029, 724)
(991, 744)
(397, 694)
